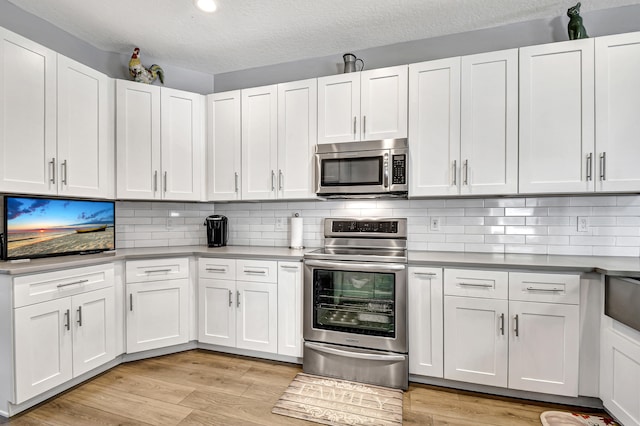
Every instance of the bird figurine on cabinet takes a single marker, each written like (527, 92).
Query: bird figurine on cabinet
(142, 74)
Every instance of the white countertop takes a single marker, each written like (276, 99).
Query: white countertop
(622, 266)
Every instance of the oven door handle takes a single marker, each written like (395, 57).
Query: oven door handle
(373, 266)
(349, 354)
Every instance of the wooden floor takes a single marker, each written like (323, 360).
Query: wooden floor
(208, 388)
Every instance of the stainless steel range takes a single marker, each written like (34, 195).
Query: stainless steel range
(355, 302)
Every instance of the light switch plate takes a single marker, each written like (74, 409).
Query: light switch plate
(583, 224)
(434, 224)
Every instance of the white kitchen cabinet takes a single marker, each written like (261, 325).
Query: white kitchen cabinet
(85, 131)
(224, 146)
(557, 118)
(217, 311)
(297, 135)
(617, 92)
(425, 321)
(259, 142)
(257, 316)
(363, 105)
(64, 326)
(157, 303)
(290, 308)
(159, 142)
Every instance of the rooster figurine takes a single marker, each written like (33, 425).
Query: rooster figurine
(141, 74)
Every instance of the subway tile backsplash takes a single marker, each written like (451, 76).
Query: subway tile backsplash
(540, 225)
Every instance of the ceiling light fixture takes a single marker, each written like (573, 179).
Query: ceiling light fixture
(208, 6)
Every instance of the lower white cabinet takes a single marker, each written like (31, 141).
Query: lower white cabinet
(68, 335)
(257, 316)
(158, 308)
(290, 308)
(528, 341)
(425, 321)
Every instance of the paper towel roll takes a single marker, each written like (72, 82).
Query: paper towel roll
(296, 233)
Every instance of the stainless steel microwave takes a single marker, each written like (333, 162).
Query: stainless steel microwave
(362, 169)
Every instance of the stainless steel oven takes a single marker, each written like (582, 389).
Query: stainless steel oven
(355, 303)
(362, 169)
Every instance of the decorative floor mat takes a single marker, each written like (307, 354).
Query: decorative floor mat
(564, 418)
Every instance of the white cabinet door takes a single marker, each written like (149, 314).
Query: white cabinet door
(290, 308)
(217, 312)
(257, 316)
(43, 347)
(617, 108)
(259, 143)
(434, 127)
(297, 135)
(475, 340)
(543, 347)
(85, 131)
(27, 116)
(157, 314)
(138, 140)
(557, 117)
(425, 302)
(339, 108)
(223, 146)
(181, 141)
(489, 123)
(94, 335)
(384, 103)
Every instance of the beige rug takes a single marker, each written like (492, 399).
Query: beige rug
(564, 418)
(339, 402)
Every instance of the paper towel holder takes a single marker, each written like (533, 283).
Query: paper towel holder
(292, 246)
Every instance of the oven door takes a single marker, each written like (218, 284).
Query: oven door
(357, 304)
(365, 172)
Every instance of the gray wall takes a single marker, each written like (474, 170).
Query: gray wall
(598, 23)
(113, 64)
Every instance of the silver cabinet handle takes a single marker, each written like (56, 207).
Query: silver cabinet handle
(155, 181)
(466, 172)
(273, 180)
(425, 274)
(63, 168)
(364, 124)
(254, 271)
(475, 285)
(52, 163)
(516, 326)
(165, 182)
(551, 290)
(72, 283)
(280, 180)
(131, 302)
(502, 324)
(603, 166)
(79, 316)
(66, 320)
(236, 179)
(589, 166)
(455, 172)
(352, 354)
(151, 271)
(230, 296)
(289, 267)
(216, 270)
(237, 299)
(354, 127)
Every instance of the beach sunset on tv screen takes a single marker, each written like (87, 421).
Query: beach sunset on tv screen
(38, 227)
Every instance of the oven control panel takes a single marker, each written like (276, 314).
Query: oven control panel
(380, 227)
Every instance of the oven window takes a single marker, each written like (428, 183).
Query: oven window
(352, 171)
(354, 302)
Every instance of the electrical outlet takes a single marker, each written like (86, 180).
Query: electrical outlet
(281, 223)
(434, 224)
(170, 223)
(583, 225)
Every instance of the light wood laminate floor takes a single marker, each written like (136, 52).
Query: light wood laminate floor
(208, 388)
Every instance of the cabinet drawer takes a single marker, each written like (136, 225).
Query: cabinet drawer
(263, 271)
(217, 268)
(476, 283)
(157, 269)
(30, 289)
(534, 287)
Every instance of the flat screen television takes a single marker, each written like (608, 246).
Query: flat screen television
(43, 227)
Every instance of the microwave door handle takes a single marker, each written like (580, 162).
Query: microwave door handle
(386, 170)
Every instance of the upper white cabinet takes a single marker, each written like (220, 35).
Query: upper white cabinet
(56, 117)
(363, 105)
(557, 117)
(617, 107)
(463, 125)
(159, 141)
(224, 146)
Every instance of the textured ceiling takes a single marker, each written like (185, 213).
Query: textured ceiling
(251, 33)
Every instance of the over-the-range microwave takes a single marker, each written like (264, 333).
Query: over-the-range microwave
(367, 169)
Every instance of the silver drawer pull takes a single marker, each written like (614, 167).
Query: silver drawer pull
(72, 283)
(425, 274)
(216, 269)
(289, 267)
(230, 301)
(152, 271)
(475, 285)
(252, 271)
(551, 290)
